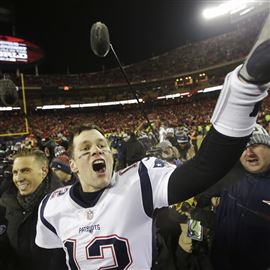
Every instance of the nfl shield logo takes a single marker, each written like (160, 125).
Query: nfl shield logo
(89, 214)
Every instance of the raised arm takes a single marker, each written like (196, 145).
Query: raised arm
(233, 121)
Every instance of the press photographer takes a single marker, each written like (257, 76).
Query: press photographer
(196, 235)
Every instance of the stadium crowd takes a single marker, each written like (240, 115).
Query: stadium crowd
(222, 49)
(192, 113)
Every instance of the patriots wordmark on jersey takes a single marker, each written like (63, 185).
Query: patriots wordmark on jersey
(116, 233)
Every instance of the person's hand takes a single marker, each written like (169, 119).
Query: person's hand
(215, 201)
(184, 241)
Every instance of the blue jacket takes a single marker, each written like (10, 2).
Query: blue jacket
(242, 232)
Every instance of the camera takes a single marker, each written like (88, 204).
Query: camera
(198, 217)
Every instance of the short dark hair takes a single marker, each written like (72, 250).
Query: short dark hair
(32, 152)
(77, 131)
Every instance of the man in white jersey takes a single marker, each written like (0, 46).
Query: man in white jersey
(105, 220)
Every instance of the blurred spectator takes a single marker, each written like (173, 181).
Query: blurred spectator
(6, 252)
(169, 152)
(242, 233)
(194, 241)
(167, 228)
(162, 131)
(48, 147)
(118, 147)
(61, 170)
(193, 138)
(133, 150)
(184, 146)
(172, 138)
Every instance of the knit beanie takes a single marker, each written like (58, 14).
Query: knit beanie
(61, 163)
(259, 136)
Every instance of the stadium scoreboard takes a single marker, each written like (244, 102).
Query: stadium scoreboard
(17, 51)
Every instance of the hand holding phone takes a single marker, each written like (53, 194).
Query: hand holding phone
(195, 230)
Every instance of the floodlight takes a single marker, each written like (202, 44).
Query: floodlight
(227, 7)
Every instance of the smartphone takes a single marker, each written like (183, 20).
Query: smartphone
(195, 230)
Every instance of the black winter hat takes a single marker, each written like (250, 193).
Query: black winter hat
(61, 163)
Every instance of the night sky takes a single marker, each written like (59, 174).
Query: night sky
(138, 29)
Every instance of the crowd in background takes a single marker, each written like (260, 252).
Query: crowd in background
(218, 50)
(48, 124)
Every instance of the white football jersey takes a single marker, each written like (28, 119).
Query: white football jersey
(116, 233)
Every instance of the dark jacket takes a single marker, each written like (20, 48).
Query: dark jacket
(170, 255)
(242, 232)
(197, 260)
(5, 248)
(133, 151)
(167, 221)
(19, 237)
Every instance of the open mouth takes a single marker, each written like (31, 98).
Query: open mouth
(99, 166)
(22, 186)
(252, 161)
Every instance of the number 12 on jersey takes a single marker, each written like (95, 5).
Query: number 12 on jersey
(95, 250)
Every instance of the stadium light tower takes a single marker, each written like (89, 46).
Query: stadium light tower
(228, 7)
